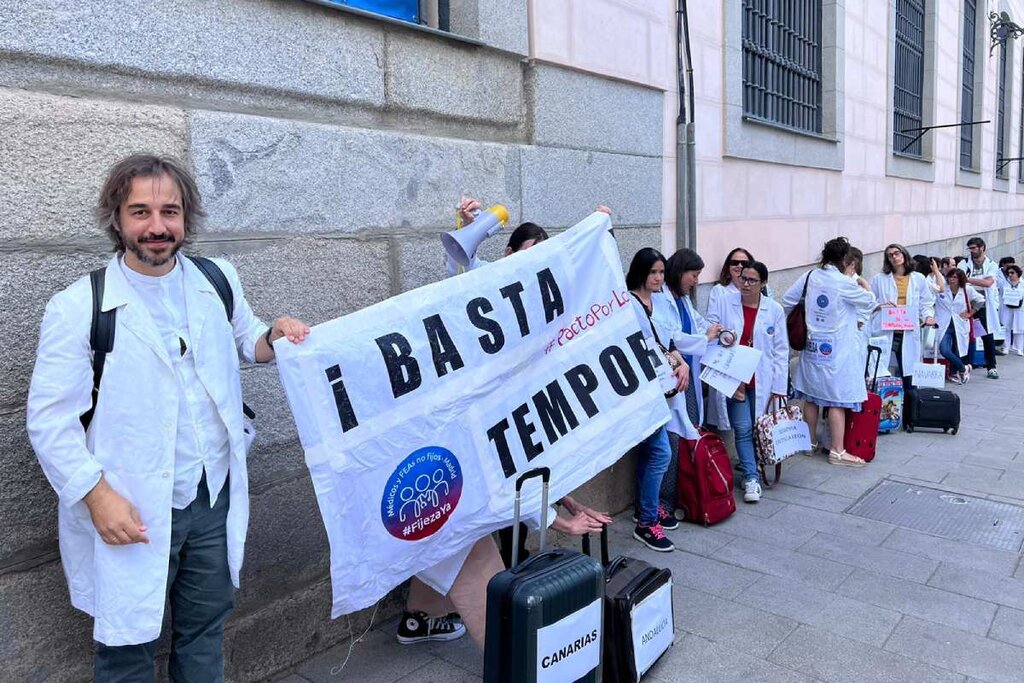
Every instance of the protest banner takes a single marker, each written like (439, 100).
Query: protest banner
(897, 318)
(417, 414)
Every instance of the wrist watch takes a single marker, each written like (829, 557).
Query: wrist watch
(267, 337)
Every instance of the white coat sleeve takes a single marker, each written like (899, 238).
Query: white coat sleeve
(927, 299)
(246, 327)
(714, 298)
(861, 299)
(792, 296)
(780, 364)
(696, 342)
(60, 392)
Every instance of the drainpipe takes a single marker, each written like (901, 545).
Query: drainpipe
(686, 156)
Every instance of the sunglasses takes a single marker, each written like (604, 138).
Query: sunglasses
(737, 262)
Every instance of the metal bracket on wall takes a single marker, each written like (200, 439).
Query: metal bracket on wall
(1003, 162)
(924, 129)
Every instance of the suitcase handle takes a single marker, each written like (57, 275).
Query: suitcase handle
(878, 361)
(545, 474)
(604, 545)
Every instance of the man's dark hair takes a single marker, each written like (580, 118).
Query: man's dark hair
(524, 233)
(922, 264)
(724, 277)
(119, 184)
(834, 252)
(640, 267)
(1006, 260)
(976, 242)
(678, 263)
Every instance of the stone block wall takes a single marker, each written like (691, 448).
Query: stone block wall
(331, 149)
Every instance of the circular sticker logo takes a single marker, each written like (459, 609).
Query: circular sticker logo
(770, 331)
(822, 301)
(421, 494)
(825, 349)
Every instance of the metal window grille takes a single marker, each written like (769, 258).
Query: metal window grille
(908, 81)
(1001, 115)
(782, 63)
(967, 86)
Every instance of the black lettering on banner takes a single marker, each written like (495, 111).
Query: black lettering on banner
(514, 294)
(526, 430)
(648, 358)
(341, 400)
(403, 369)
(550, 295)
(554, 412)
(496, 434)
(475, 309)
(442, 348)
(618, 370)
(583, 383)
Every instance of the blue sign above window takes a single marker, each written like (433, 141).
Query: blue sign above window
(406, 10)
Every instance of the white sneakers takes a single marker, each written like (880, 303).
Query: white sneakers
(751, 491)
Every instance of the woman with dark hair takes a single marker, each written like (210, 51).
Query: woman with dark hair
(830, 372)
(953, 311)
(762, 326)
(644, 280)
(729, 276)
(899, 284)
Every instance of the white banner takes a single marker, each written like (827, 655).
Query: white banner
(418, 413)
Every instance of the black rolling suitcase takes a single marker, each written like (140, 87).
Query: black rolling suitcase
(932, 409)
(639, 624)
(544, 616)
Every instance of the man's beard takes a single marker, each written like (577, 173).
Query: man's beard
(136, 248)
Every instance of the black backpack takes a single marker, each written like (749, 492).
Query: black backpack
(101, 334)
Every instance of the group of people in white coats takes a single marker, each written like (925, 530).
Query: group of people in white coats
(843, 311)
(664, 296)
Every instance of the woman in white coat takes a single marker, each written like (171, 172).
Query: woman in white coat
(900, 285)
(953, 311)
(830, 373)
(760, 323)
(729, 277)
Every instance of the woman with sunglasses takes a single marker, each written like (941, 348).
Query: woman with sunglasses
(729, 276)
(761, 325)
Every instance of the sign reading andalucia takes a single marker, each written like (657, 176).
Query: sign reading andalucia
(417, 414)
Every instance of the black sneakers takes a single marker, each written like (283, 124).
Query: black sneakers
(654, 538)
(666, 519)
(417, 627)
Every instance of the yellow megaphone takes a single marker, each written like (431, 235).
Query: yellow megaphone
(462, 244)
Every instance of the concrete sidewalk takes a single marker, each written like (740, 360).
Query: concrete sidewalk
(797, 589)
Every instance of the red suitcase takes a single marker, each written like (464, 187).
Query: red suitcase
(704, 488)
(862, 427)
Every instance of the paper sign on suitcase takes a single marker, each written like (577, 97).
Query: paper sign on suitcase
(929, 375)
(653, 628)
(570, 648)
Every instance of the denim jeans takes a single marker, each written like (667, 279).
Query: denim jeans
(946, 348)
(741, 418)
(651, 465)
(200, 597)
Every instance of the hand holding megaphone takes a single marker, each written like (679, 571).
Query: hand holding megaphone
(462, 244)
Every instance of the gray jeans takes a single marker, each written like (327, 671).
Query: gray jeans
(199, 594)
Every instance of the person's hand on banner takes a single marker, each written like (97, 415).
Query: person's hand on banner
(295, 330)
(603, 209)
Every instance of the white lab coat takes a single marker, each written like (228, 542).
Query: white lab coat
(770, 338)
(920, 305)
(947, 312)
(719, 291)
(990, 268)
(830, 367)
(131, 437)
(665, 316)
(1012, 318)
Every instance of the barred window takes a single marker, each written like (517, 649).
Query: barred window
(908, 86)
(782, 63)
(1001, 115)
(967, 86)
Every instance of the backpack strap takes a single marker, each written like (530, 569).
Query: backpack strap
(101, 337)
(212, 272)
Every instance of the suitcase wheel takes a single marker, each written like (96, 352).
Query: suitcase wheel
(954, 431)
